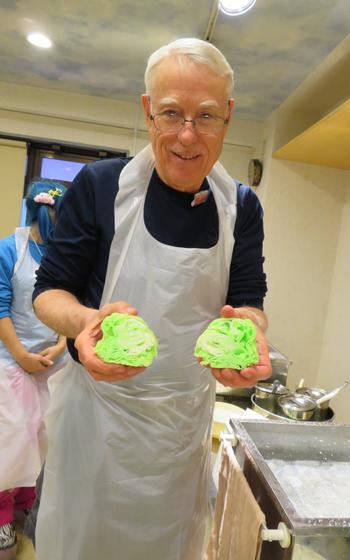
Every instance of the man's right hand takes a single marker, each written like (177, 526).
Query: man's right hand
(86, 342)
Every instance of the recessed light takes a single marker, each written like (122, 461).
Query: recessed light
(39, 40)
(235, 7)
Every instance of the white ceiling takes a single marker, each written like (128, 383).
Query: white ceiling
(101, 46)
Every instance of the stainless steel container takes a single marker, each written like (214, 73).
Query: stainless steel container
(321, 411)
(297, 407)
(267, 394)
(322, 398)
(299, 473)
(275, 416)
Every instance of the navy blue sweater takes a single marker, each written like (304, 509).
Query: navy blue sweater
(77, 256)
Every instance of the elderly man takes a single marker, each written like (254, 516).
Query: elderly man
(171, 236)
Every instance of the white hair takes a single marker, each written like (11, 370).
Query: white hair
(198, 52)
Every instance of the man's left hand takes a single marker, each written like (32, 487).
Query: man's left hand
(249, 376)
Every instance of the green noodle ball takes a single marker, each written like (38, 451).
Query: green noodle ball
(228, 343)
(126, 340)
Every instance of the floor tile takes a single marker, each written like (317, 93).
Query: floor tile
(25, 550)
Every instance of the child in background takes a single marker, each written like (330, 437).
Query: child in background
(29, 353)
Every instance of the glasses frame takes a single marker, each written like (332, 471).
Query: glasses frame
(183, 121)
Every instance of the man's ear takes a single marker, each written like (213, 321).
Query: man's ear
(146, 107)
(231, 104)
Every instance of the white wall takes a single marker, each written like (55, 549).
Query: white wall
(334, 366)
(12, 165)
(303, 215)
(307, 211)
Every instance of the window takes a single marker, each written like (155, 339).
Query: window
(58, 162)
(59, 169)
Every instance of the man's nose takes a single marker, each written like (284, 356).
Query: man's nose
(188, 133)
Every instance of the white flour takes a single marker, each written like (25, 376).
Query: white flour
(317, 489)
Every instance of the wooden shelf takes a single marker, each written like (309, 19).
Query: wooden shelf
(327, 142)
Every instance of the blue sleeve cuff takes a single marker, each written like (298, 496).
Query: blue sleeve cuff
(8, 258)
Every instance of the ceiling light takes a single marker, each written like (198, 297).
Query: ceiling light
(39, 40)
(235, 7)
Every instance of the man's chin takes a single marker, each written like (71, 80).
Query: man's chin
(183, 180)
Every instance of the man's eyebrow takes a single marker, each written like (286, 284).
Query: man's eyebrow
(209, 103)
(167, 101)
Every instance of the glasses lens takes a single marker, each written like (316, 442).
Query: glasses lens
(212, 126)
(173, 125)
(166, 124)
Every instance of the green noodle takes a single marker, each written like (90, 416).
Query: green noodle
(126, 340)
(228, 343)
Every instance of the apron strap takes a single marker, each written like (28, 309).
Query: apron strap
(21, 239)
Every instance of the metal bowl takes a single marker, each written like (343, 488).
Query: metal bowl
(266, 413)
(273, 416)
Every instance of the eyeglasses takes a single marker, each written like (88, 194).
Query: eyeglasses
(171, 122)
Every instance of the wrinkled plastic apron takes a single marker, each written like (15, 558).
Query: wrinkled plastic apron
(23, 397)
(127, 471)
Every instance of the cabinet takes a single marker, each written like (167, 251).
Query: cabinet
(327, 142)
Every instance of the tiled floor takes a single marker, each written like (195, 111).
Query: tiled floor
(25, 550)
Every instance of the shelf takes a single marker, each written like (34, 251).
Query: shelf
(327, 142)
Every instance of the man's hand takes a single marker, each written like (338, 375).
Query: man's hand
(86, 342)
(249, 376)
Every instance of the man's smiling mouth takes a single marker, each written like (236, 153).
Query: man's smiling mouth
(184, 157)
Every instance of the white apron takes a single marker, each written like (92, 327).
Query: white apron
(23, 397)
(126, 476)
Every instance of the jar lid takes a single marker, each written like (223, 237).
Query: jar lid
(275, 388)
(266, 387)
(314, 392)
(302, 403)
(282, 390)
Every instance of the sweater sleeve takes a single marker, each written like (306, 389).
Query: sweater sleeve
(8, 258)
(247, 284)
